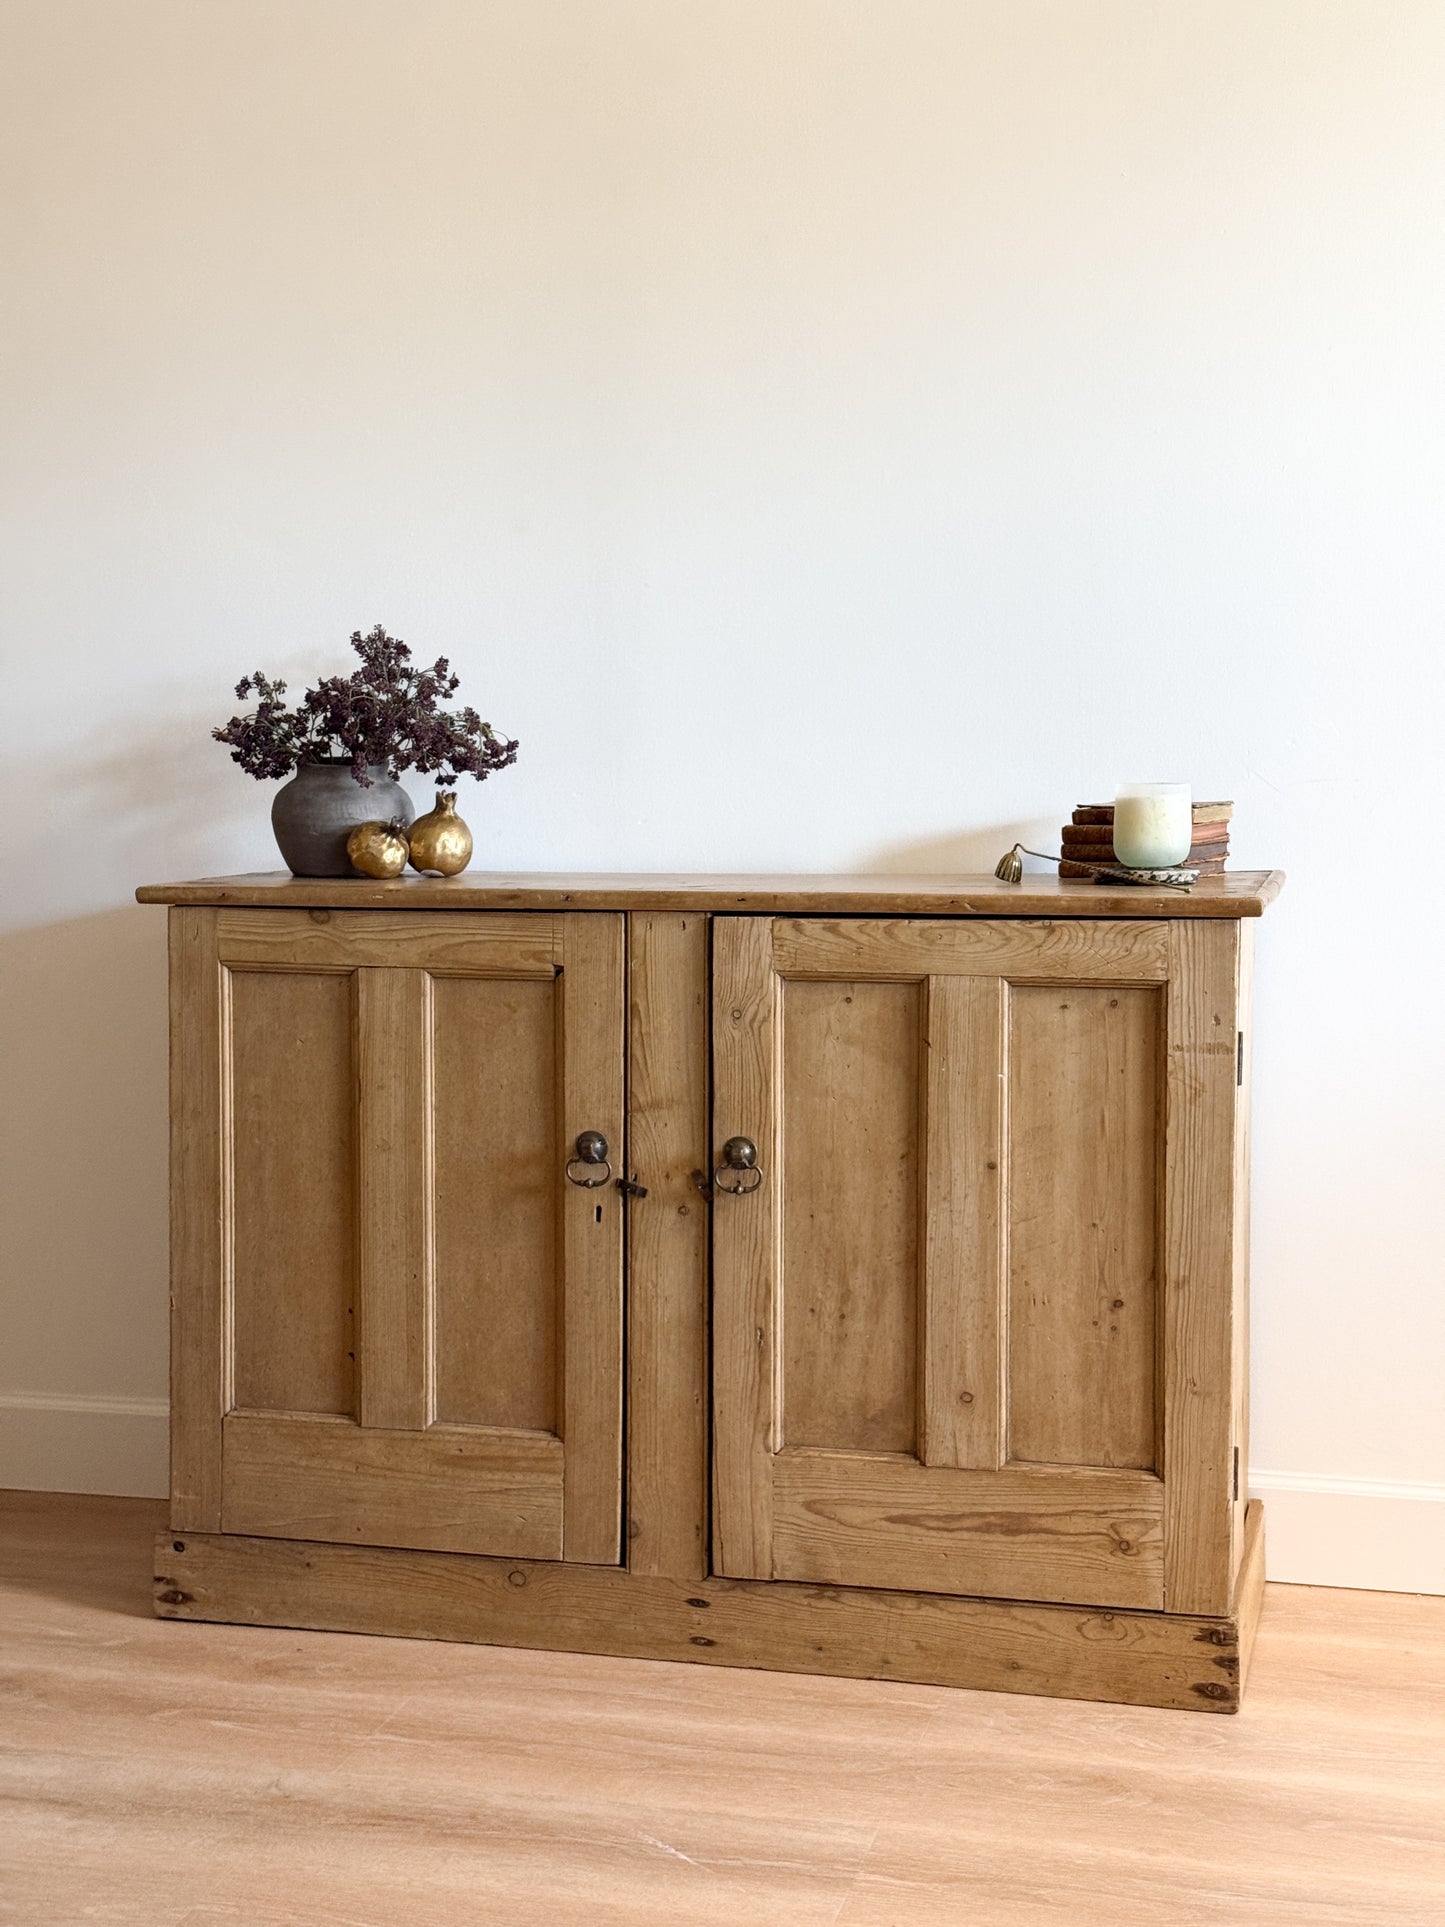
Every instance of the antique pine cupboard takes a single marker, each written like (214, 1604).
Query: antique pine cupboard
(838, 1274)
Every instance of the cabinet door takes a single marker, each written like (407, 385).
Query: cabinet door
(396, 1320)
(973, 1327)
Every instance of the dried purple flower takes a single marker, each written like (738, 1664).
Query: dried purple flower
(384, 712)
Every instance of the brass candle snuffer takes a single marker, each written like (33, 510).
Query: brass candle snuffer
(1010, 869)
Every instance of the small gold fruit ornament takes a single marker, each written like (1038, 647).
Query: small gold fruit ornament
(440, 841)
(378, 849)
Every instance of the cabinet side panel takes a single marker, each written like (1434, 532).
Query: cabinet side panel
(1244, 1018)
(667, 1245)
(1083, 1135)
(1200, 1279)
(497, 1162)
(851, 1115)
(200, 1221)
(293, 1175)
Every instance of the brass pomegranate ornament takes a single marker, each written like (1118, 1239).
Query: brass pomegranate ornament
(378, 849)
(440, 841)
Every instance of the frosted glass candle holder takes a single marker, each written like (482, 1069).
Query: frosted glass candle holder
(1153, 825)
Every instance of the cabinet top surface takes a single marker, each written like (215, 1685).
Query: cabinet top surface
(1242, 893)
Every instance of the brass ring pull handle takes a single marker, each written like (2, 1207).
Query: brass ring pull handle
(590, 1167)
(739, 1171)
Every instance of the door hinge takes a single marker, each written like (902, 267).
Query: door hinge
(1236, 1472)
(1239, 1058)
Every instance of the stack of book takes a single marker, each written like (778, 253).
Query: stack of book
(1089, 839)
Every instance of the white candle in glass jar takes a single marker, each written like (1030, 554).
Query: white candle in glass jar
(1153, 825)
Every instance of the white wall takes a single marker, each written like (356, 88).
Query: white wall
(830, 433)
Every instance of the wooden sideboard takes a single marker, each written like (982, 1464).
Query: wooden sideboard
(836, 1274)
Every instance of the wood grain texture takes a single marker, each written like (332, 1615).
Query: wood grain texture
(1199, 1288)
(1243, 893)
(594, 1004)
(1248, 1600)
(1084, 1103)
(1139, 1658)
(667, 1245)
(497, 1162)
(964, 1324)
(452, 1488)
(293, 1185)
(395, 1326)
(320, 939)
(880, 948)
(200, 1218)
(1021, 1533)
(745, 1249)
(851, 1214)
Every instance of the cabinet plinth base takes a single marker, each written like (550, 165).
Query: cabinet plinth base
(1066, 1652)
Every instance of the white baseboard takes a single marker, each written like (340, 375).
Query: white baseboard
(72, 1442)
(1377, 1535)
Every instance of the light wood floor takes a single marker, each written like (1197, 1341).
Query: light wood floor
(179, 1775)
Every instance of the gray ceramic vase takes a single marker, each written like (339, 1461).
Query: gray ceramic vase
(322, 804)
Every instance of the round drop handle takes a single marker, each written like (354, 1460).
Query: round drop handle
(590, 1167)
(739, 1171)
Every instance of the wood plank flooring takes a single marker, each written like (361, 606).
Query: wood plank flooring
(192, 1775)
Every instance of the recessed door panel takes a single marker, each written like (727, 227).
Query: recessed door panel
(1084, 1104)
(850, 1219)
(293, 1118)
(496, 1063)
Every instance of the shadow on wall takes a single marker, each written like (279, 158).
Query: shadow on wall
(161, 802)
(83, 1263)
(962, 852)
(83, 1135)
